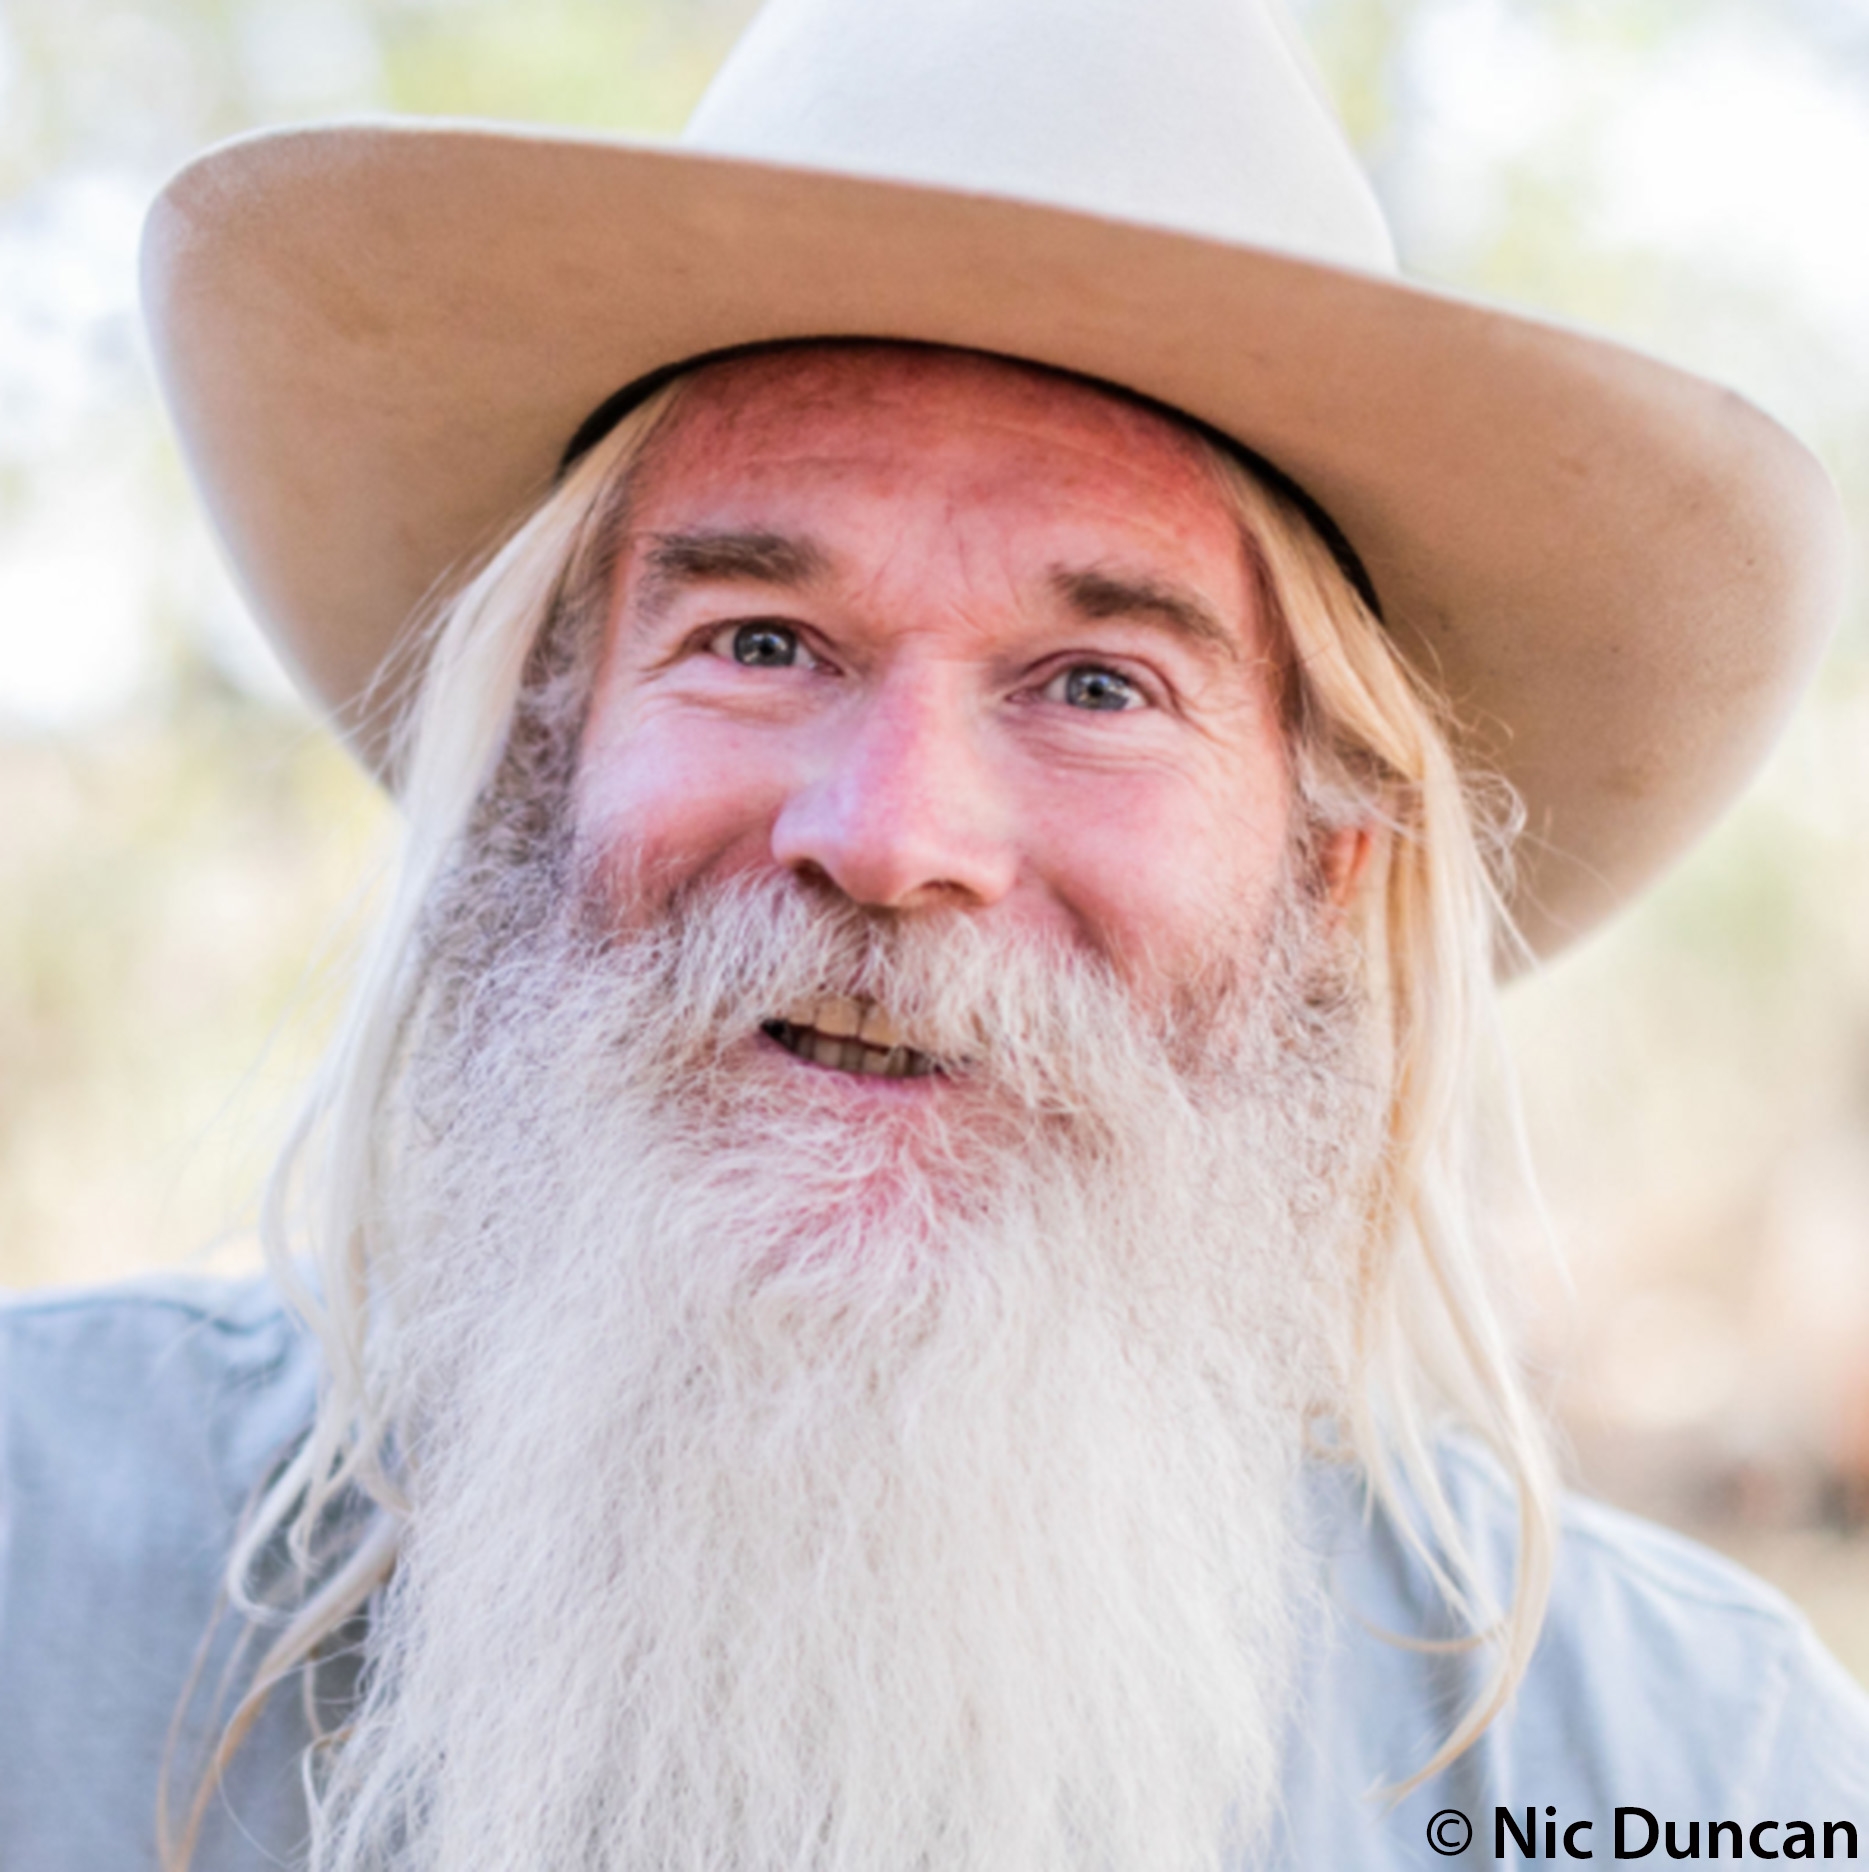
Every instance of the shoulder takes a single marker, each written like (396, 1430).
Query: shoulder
(136, 1422)
(186, 1377)
(1665, 1676)
(1673, 1650)
(151, 1315)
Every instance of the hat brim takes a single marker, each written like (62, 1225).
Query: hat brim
(377, 340)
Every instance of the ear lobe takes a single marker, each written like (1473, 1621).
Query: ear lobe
(1342, 859)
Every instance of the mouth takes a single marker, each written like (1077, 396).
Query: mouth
(849, 1036)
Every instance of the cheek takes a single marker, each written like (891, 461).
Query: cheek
(1156, 870)
(654, 798)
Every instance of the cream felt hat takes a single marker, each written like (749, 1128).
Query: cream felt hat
(377, 340)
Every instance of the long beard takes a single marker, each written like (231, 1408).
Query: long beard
(791, 1492)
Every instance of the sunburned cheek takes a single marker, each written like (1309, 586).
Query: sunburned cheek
(672, 802)
(1153, 876)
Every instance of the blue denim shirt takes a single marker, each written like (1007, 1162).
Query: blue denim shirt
(136, 1421)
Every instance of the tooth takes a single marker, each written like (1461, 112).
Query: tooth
(878, 1030)
(867, 1060)
(826, 1051)
(840, 1016)
(896, 1063)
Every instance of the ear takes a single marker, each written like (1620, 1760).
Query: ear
(1342, 860)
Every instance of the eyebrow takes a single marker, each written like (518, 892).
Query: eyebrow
(1097, 593)
(674, 561)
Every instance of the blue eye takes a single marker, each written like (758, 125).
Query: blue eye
(1090, 687)
(765, 646)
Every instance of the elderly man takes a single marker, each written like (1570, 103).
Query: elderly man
(889, 1245)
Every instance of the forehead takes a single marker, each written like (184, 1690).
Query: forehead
(809, 435)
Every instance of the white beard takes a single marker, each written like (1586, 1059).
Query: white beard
(787, 1493)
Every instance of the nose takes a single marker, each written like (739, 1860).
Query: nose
(898, 807)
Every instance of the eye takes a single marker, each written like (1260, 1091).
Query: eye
(762, 644)
(1092, 686)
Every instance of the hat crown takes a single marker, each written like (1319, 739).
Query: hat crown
(1199, 115)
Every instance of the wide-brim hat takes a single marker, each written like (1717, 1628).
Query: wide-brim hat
(377, 340)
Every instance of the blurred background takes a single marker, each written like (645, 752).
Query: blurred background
(183, 852)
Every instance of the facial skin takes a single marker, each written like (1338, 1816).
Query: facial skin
(937, 631)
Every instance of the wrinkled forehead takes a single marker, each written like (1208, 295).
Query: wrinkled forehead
(781, 385)
(780, 381)
(904, 412)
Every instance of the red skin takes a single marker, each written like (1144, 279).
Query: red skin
(926, 748)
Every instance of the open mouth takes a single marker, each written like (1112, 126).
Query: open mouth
(849, 1036)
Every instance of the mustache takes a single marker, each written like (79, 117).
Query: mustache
(1031, 1013)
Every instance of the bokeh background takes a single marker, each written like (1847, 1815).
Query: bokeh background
(183, 853)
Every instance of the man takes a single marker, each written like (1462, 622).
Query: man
(890, 1239)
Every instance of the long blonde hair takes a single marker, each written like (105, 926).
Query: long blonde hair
(1429, 928)
(508, 662)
